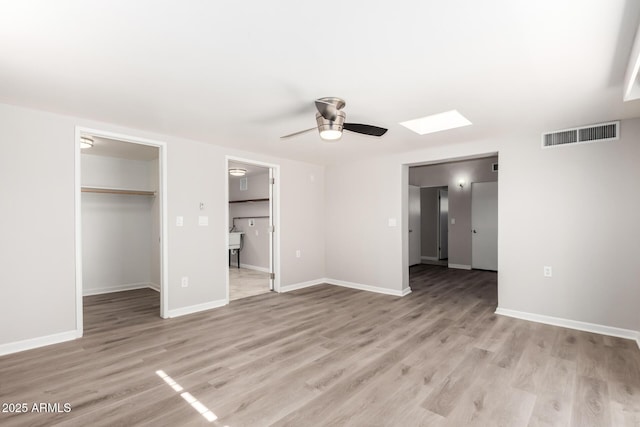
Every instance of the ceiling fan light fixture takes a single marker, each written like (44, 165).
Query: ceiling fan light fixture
(331, 130)
(237, 172)
(86, 142)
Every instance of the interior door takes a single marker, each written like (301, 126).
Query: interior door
(415, 256)
(443, 224)
(484, 225)
(271, 230)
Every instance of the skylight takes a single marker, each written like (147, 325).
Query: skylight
(437, 122)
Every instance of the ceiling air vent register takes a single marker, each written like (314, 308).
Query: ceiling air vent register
(601, 132)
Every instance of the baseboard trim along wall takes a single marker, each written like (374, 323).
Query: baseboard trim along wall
(254, 267)
(15, 347)
(361, 287)
(460, 266)
(183, 311)
(302, 285)
(572, 324)
(429, 258)
(120, 288)
(345, 284)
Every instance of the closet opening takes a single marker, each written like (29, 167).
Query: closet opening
(251, 228)
(120, 211)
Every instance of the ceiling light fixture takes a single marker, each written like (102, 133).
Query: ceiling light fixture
(237, 172)
(331, 130)
(86, 142)
(437, 122)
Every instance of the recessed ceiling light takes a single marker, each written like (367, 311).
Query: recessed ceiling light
(437, 122)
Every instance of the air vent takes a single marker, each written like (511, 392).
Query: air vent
(600, 132)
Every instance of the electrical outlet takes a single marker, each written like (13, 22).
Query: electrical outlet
(298, 253)
(547, 271)
(184, 282)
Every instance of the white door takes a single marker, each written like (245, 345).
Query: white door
(415, 256)
(443, 224)
(484, 225)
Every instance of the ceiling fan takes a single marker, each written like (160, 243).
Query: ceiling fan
(331, 121)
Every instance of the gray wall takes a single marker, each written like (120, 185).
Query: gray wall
(37, 248)
(117, 235)
(573, 208)
(449, 174)
(255, 251)
(429, 221)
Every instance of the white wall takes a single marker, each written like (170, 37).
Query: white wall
(573, 208)
(37, 247)
(117, 230)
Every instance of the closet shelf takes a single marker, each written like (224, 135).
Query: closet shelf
(248, 201)
(118, 191)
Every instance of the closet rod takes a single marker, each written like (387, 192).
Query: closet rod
(118, 191)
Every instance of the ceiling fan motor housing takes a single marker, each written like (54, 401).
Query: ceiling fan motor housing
(331, 129)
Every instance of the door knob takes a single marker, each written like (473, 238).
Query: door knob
(474, 231)
(410, 231)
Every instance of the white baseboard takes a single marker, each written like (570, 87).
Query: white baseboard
(183, 311)
(302, 285)
(253, 267)
(345, 284)
(15, 347)
(460, 266)
(429, 258)
(120, 288)
(572, 324)
(369, 288)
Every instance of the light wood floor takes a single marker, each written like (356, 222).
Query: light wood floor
(330, 356)
(245, 283)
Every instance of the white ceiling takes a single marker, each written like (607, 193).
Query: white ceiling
(244, 73)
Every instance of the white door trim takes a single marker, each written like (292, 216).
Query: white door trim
(276, 214)
(162, 194)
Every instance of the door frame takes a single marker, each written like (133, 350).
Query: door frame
(162, 194)
(274, 211)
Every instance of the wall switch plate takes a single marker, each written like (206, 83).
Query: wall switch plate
(179, 221)
(393, 222)
(252, 222)
(453, 221)
(547, 271)
(298, 253)
(184, 282)
(203, 221)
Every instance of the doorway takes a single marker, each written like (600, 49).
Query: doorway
(120, 218)
(252, 218)
(443, 224)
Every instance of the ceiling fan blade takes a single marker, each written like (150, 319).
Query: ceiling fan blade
(326, 109)
(298, 133)
(365, 129)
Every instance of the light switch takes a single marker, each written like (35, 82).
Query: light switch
(453, 221)
(203, 221)
(252, 222)
(392, 222)
(179, 221)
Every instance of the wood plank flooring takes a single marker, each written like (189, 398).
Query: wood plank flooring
(328, 356)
